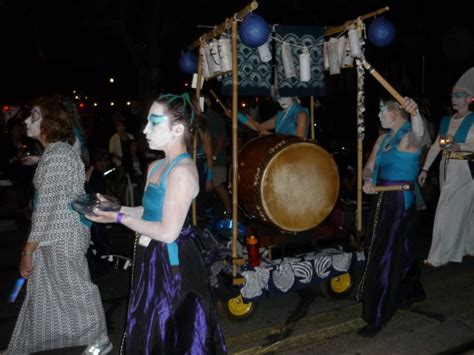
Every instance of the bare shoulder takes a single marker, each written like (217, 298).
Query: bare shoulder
(186, 172)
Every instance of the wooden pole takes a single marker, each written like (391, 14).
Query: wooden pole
(235, 93)
(312, 117)
(347, 24)
(198, 94)
(224, 26)
(360, 150)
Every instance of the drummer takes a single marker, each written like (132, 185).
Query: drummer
(292, 119)
(391, 276)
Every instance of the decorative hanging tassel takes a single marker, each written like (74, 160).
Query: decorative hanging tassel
(305, 66)
(288, 64)
(214, 63)
(334, 66)
(204, 64)
(264, 52)
(225, 54)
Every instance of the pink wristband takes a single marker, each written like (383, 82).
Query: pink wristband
(119, 217)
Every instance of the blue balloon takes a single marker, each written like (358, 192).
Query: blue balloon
(381, 32)
(188, 63)
(254, 30)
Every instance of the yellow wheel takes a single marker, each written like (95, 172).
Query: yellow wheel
(342, 283)
(338, 286)
(236, 308)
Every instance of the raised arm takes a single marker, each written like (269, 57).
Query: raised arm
(415, 137)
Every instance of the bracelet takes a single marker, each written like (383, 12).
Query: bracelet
(366, 180)
(25, 253)
(119, 217)
(425, 170)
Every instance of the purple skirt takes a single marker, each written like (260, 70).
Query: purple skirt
(391, 275)
(171, 309)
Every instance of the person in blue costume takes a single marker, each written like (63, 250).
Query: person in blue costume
(391, 276)
(171, 308)
(292, 119)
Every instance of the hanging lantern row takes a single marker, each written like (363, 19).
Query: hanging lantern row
(216, 57)
(339, 52)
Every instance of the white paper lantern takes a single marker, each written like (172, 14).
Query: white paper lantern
(204, 65)
(305, 66)
(207, 54)
(264, 52)
(347, 59)
(288, 64)
(325, 56)
(334, 66)
(354, 40)
(225, 54)
(214, 63)
(341, 47)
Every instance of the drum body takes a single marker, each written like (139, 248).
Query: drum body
(287, 182)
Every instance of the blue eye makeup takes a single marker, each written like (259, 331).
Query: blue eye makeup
(459, 95)
(157, 119)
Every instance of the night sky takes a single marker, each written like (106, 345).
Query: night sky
(57, 46)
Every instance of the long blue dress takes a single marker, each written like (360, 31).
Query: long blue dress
(170, 310)
(391, 275)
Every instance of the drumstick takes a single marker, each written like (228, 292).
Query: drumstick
(255, 124)
(404, 187)
(385, 83)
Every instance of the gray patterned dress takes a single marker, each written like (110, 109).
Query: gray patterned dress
(62, 307)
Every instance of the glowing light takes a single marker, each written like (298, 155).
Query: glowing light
(186, 84)
(244, 104)
(82, 105)
(128, 103)
(111, 80)
(95, 104)
(73, 91)
(112, 103)
(76, 97)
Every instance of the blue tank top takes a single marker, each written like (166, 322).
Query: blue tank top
(286, 121)
(153, 199)
(394, 165)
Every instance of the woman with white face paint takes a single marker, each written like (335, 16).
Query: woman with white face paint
(391, 276)
(453, 230)
(171, 310)
(292, 119)
(62, 307)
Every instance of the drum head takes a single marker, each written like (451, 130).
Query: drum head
(299, 186)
